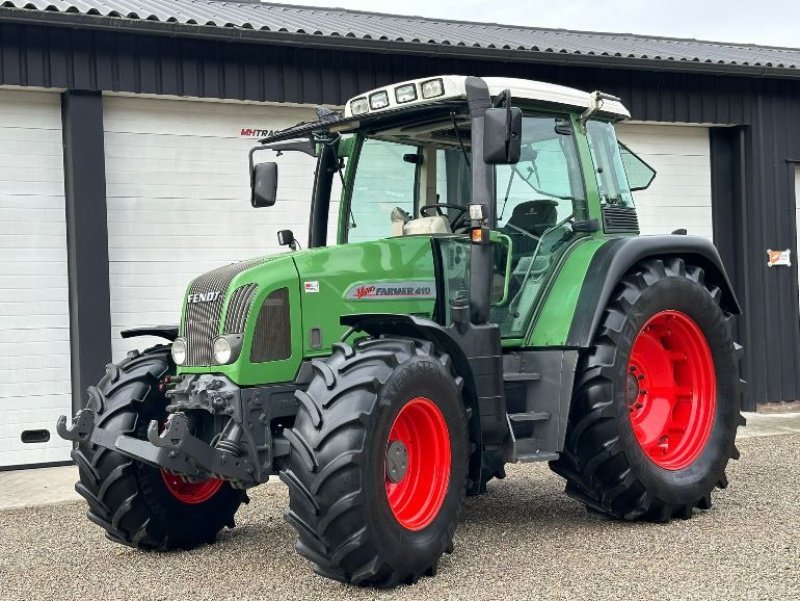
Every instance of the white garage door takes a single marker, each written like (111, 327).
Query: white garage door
(34, 311)
(179, 199)
(796, 256)
(680, 196)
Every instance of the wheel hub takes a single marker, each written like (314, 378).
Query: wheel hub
(190, 493)
(418, 463)
(671, 390)
(396, 461)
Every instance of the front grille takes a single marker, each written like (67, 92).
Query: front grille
(620, 219)
(201, 322)
(238, 308)
(272, 339)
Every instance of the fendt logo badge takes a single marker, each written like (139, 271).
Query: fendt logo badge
(204, 297)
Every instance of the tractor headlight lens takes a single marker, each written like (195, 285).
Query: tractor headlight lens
(179, 351)
(359, 106)
(379, 100)
(223, 351)
(406, 93)
(432, 88)
(226, 349)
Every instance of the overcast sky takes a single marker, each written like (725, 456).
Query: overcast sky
(768, 22)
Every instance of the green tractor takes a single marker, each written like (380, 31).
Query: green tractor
(487, 300)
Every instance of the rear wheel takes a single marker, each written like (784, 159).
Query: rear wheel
(378, 469)
(136, 504)
(657, 403)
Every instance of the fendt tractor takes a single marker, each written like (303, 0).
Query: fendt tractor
(487, 300)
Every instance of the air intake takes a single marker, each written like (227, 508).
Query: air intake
(238, 308)
(620, 219)
(272, 339)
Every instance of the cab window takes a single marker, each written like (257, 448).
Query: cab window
(385, 180)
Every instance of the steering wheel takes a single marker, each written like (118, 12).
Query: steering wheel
(445, 205)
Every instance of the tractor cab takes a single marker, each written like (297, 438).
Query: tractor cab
(407, 160)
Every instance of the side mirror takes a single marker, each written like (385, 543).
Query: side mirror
(264, 184)
(502, 136)
(286, 238)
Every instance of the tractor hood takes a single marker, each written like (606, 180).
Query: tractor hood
(277, 311)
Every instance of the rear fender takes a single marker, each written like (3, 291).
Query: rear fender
(615, 258)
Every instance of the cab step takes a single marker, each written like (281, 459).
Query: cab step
(529, 416)
(527, 450)
(537, 456)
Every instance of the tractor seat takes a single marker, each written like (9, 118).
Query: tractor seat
(534, 217)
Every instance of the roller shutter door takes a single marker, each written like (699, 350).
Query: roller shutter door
(796, 256)
(34, 309)
(680, 196)
(179, 199)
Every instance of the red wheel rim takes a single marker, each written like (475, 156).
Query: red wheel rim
(671, 390)
(417, 492)
(191, 493)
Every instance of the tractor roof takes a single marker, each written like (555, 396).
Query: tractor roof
(412, 93)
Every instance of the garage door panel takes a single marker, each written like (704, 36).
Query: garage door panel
(34, 311)
(193, 229)
(680, 195)
(27, 392)
(21, 295)
(47, 361)
(193, 191)
(796, 257)
(31, 322)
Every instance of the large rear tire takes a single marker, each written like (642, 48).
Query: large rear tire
(378, 468)
(657, 400)
(136, 504)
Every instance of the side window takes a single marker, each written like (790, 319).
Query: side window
(547, 176)
(640, 174)
(609, 170)
(384, 181)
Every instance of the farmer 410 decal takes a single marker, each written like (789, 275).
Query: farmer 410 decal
(391, 290)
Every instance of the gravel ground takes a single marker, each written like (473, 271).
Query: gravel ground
(524, 539)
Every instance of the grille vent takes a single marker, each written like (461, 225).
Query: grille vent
(272, 337)
(620, 219)
(238, 308)
(201, 323)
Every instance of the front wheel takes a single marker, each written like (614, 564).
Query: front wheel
(378, 468)
(657, 404)
(138, 505)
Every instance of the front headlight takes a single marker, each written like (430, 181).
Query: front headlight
(226, 349)
(179, 351)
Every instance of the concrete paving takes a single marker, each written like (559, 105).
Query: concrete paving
(524, 539)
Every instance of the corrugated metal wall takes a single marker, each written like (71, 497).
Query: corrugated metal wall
(766, 111)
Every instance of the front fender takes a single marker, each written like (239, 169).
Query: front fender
(167, 332)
